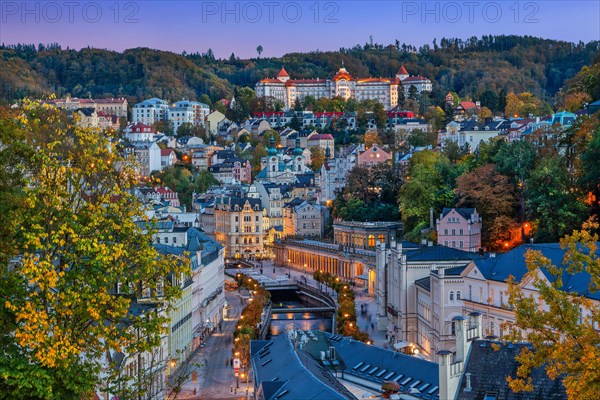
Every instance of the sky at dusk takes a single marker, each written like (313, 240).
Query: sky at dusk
(286, 26)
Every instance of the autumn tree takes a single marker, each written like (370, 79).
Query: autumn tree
(561, 320)
(372, 138)
(259, 152)
(317, 158)
(436, 117)
(494, 197)
(522, 105)
(484, 113)
(76, 237)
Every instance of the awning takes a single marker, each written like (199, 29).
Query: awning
(400, 345)
(364, 277)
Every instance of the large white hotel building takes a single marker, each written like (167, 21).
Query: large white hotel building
(342, 84)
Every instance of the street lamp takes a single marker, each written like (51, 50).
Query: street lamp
(289, 269)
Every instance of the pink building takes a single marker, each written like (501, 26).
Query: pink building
(242, 170)
(459, 228)
(373, 156)
(169, 195)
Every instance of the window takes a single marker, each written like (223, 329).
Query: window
(371, 241)
(460, 244)
(458, 295)
(451, 296)
(166, 240)
(381, 238)
(445, 231)
(453, 232)
(174, 239)
(470, 292)
(460, 232)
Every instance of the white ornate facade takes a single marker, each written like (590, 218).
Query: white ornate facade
(342, 84)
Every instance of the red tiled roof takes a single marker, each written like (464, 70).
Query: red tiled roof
(402, 71)
(326, 136)
(270, 80)
(466, 105)
(282, 73)
(139, 127)
(415, 78)
(166, 152)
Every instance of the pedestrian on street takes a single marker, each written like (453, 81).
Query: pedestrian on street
(373, 327)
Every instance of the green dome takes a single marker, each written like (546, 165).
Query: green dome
(272, 151)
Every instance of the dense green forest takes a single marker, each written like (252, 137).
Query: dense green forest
(468, 67)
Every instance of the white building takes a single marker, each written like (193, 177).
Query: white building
(200, 308)
(342, 84)
(150, 111)
(140, 133)
(335, 170)
(403, 311)
(185, 111)
(471, 133)
(147, 156)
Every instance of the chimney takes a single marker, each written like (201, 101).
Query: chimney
(468, 384)
(445, 361)
(475, 321)
(460, 325)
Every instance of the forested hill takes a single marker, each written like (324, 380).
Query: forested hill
(509, 63)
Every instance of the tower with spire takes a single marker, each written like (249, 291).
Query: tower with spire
(272, 160)
(283, 76)
(402, 73)
(298, 158)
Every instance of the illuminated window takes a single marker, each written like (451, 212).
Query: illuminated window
(371, 241)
